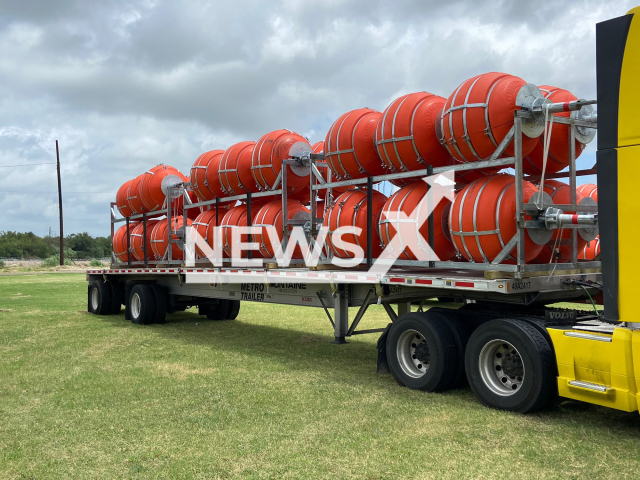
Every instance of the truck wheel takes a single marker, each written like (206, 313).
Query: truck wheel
(234, 309)
(159, 303)
(99, 298)
(116, 297)
(141, 305)
(219, 311)
(510, 366)
(421, 352)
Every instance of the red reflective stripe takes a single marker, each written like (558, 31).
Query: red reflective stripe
(351, 277)
(421, 281)
(291, 274)
(574, 219)
(397, 280)
(465, 284)
(565, 106)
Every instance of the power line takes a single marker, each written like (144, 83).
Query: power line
(27, 165)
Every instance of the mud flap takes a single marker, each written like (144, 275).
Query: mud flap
(383, 366)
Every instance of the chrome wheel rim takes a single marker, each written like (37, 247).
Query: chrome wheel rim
(136, 305)
(501, 368)
(95, 298)
(413, 353)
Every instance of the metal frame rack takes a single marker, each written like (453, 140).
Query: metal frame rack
(317, 182)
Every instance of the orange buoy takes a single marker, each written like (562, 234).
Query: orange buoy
(268, 155)
(588, 190)
(121, 199)
(270, 214)
(119, 242)
(350, 149)
(558, 249)
(350, 210)
(154, 184)
(234, 218)
(137, 238)
(482, 218)
(407, 200)
(318, 147)
(234, 169)
(204, 174)
(591, 250)
(558, 157)
(406, 134)
(204, 225)
(479, 114)
(133, 197)
(160, 239)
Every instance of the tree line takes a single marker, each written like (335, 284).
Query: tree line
(29, 245)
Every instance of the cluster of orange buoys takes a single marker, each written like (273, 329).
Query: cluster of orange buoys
(415, 130)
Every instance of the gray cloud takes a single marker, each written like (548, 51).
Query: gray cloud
(125, 85)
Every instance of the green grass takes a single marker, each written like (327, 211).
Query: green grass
(265, 396)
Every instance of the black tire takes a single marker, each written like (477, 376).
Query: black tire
(219, 311)
(116, 297)
(141, 308)
(493, 383)
(99, 298)
(159, 303)
(234, 309)
(439, 345)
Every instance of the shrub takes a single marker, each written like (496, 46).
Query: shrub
(54, 261)
(96, 263)
(2, 265)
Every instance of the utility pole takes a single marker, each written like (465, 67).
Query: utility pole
(60, 206)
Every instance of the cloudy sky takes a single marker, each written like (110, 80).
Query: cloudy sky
(125, 85)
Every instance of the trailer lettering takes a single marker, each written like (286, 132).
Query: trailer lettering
(252, 287)
(252, 296)
(295, 286)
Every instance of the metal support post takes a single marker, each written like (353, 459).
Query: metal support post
(517, 143)
(341, 316)
(217, 211)
(113, 256)
(249, 224)
(144, 239)
(285, 200)
(312, 192)
(369, 221)
(572, 189)
(404, 307)
(128, 244)
(430, 223)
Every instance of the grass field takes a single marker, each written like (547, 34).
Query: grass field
(264, 396)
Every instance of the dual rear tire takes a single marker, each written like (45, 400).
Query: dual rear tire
(105, 298)
(223, 310)
(509, 364)
(147, 304)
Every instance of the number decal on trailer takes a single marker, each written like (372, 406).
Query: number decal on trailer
(515, 286)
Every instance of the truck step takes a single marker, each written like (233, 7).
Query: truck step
(588, 336)
(589, 386)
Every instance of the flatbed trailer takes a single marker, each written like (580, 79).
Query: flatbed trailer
(517, 350)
